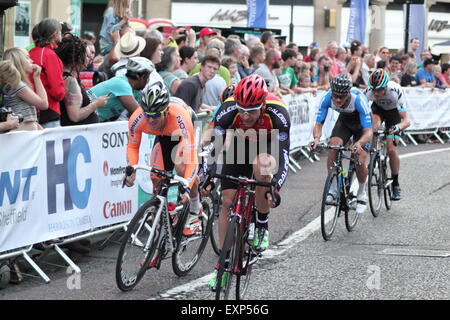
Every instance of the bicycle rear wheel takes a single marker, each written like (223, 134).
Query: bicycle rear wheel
(134, 254)
(190, 248)
(375, 184)
(330, 210)
(351, 216)
(227, 261)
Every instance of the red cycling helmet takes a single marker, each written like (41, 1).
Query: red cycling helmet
(251, 91)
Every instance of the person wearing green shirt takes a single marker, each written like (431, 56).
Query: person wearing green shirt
(288, 78)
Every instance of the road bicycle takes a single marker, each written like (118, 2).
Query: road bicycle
(339, 186)
(380, 180)
(238, 256)
(154, 233)
(215, 199)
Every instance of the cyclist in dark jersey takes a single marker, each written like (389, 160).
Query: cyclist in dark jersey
(258, 124)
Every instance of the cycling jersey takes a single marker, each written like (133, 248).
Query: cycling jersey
(392, 99)
(178, 126)
(357, 110)
(275, 117)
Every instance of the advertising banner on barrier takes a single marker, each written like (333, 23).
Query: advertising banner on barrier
(428, 108)
(59, 182)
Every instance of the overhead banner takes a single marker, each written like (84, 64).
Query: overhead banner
(417, 26)
(357, 20)
(58, 182)
(257, 13)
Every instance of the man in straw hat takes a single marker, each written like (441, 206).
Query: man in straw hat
(129, 46)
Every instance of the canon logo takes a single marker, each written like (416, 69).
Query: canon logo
(111, 210)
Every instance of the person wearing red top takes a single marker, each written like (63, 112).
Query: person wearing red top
(331, 52)
(48, 34)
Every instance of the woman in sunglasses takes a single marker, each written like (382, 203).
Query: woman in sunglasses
(354, 121)
(173, 147)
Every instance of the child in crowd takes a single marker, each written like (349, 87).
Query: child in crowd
(304, 84)
(23, 100)
(115, 19)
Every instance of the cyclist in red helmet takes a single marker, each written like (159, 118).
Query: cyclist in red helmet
(259, 124)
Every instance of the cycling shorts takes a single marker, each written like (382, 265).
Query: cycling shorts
(345, 130)
(162, 153)
(390, 117)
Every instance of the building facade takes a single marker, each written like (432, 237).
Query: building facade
(313, 20)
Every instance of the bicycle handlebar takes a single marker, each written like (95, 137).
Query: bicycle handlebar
(180, 180)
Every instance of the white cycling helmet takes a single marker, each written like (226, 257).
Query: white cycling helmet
(140, 65)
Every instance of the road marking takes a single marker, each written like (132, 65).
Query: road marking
(282, 247)
(416, 252)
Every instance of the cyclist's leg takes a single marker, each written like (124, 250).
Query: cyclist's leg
(157, 162)
(393, 118)
(264, 167)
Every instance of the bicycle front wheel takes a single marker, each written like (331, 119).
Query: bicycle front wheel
(375, 184)
(137, 248)
(190, 248)
(330, 209)
(247, 259)
(224, 279)
(387, 179)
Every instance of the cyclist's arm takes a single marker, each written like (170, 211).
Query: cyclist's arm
(403, 111)
(282, 123)
(365, 117)
(135, 124)
(405, 121)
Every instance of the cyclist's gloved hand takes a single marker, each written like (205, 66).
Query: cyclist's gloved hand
(276, 200)
(130, 176)
(394, 129)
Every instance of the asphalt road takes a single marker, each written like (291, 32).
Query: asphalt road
(402, 254)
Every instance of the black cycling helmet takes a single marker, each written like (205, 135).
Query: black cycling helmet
(155, 98)
(227, 92)
(341, 83)
(378, 79)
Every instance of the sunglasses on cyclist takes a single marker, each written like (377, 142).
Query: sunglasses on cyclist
(248, 109)
(154, 115)
(340, 96)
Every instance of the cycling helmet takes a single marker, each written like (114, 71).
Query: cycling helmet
(341, 83)
(227, 92)
(155, 98)
(140, 65)
(251, 91)
(378, 79)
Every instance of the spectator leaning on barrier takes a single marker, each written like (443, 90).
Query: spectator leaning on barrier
(123, 91)
(304, 84)
(341, 57)
(189, 59)
(170, 61)
(76, 108)
(47, 38)
(409, 75)
(191, 89)
(9, 81)
(425, 76)
(266, 70)
(23, 100)
(440, 82)
(446, 73)
(288, 78)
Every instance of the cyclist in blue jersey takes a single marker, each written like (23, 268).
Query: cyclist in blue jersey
(354, 121)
